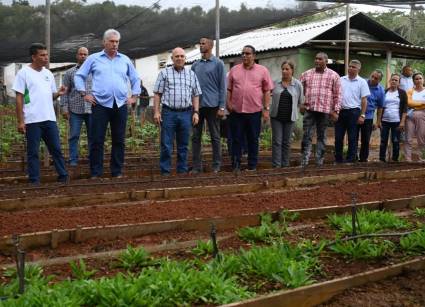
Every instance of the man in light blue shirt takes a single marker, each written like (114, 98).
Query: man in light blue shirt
(212, 78)
(111, 71)
(375, 101)
(353, 112)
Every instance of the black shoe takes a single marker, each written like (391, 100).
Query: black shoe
(64, 179)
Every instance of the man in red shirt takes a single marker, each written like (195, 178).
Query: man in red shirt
(248, 96)
(322, 90)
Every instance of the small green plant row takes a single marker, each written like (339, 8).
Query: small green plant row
(369, 221)
(413, 243)
(268, 231)
(169, 283)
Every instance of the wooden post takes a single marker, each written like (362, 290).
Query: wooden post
(347, 38)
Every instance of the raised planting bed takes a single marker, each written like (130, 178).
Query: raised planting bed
(282, 261)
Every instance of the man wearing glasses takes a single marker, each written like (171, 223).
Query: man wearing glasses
(248, 98)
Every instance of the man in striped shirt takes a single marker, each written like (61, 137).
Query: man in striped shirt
(322, 90)
(177, 90)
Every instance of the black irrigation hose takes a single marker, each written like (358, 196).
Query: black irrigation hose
(372, 235)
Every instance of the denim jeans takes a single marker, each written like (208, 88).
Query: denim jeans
(75, 123)
(101, 117)
(245, 125)
(395, 140)
(281, 142)
(48, 131)
(310, 120)
(347, 123)
(210, 115)
(365, 131)
(176, 124)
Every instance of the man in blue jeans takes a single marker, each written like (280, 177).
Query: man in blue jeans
(111, 72)
(75, 108)
(353, 112)
(375, 101)
(177, 89)
(35, 91)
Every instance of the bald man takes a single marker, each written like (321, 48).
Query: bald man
(75, 108)
(177, 91)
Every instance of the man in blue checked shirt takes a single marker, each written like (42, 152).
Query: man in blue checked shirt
(177, 90)
(110, 72)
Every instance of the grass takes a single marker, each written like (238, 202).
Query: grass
(364, 249)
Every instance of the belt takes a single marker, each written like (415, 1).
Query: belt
(176, 109)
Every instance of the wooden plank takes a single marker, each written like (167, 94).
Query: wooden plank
(318, 293)
(395, 204)
(302, 181)
(417, 201)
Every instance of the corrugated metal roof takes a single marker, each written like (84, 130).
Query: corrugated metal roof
(271, 38)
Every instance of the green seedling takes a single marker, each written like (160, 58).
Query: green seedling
(414, 243)
(369, 221)
(79, 270)
(133, 258)
(268, 231)
(364, 249)
(419, 212)
(203, 248)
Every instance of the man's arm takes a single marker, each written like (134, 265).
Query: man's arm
(361, 118)
(20, 112)
(379, 117)
(157, 113)
(195, 106)
(266, 104)
(135, 83)
(64, 102)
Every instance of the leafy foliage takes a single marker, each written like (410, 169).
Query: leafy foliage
(133, 258)
(370, 222)
(414, 242)
(79, 270)
(419, 212)
(364, 249)
(266, 232)
(203, 248)
(280, 262)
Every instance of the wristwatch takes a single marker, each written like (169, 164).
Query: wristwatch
(267, 108)
(221, 109)
(363, 115)
(195, 112)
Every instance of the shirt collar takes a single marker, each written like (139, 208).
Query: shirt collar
(355, 79)
(210, 59)
(103, 53)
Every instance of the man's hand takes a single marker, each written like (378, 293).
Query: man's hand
(132, 100)
(62, 90)
(21, 128)
(302, 109)
(220, 113)
(266, 115)
(360, 121)
(195, 119)
(229, 107)
(401, 126)
(334, 116)
(90, 98)
(66, 115)
(157, 118)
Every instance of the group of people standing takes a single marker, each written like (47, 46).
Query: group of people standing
(99, 88)
(350, 102)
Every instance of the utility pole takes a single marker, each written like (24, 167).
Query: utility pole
(47, 42)
(217, 28)
(347, 38)
(47, 30)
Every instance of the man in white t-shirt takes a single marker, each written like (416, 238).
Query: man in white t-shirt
(35, 91)
(353, 112)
